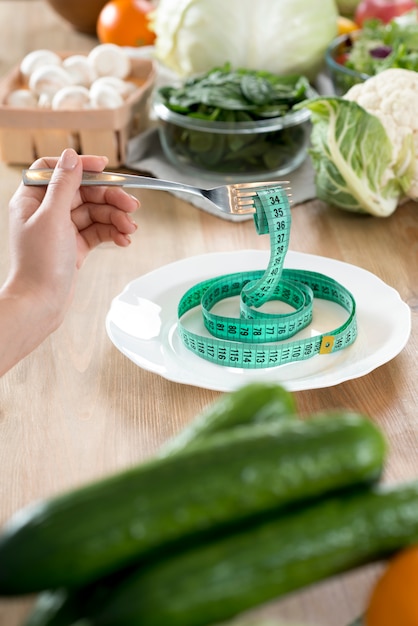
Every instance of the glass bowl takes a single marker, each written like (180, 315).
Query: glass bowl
(342, 77)
(240, 151)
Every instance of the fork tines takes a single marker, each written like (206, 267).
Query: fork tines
(242, 195)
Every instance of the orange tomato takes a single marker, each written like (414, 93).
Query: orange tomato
(125, 23)
(345, 25)
(394, 598)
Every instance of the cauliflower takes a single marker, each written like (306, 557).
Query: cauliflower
(392, 96)
(364, 145)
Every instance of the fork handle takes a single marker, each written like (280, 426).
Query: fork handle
(43, 176)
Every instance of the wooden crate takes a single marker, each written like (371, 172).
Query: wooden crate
(27, 134)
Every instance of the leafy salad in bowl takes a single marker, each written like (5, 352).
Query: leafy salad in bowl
(236, 123)
(377, 46)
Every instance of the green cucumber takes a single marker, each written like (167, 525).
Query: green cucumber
(218, 580)
(83, 535)
(254, 403)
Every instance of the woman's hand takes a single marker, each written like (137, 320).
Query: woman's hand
(52, 230)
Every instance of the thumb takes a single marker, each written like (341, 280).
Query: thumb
(65, 181)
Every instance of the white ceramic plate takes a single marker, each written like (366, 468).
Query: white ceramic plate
(142, 323)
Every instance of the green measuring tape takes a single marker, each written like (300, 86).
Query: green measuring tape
(257, 339)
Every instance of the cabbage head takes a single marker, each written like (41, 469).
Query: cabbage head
(356, 165)
(280, 36)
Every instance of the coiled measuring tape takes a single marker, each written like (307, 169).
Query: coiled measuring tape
(257, 339)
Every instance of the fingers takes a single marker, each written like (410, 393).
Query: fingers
(107, 222)
(99, 214)
(27, 199)
(109, 206)
(116, 226)
(88, 204)
(64, 185)
(113, 196)
(63, 191)
(92, 163)
(96, 234)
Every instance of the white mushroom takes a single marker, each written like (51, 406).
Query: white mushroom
(105, 97)
(44, 101)
(80, 69)
(21, 99)
(123, 87)
(72, 97)
(108, 59)
(38, 58)
(49, 79)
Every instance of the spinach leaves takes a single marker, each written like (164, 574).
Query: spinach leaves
(236, 96)
(223, 94)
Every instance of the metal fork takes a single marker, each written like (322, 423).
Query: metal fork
(235, 199)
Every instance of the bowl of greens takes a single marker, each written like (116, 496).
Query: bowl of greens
(378, 46)
(337, 56)
(235, 124)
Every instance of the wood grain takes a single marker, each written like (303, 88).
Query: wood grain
(77, 409)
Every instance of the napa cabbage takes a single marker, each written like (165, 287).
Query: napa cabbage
(283, 37)
(357, 165)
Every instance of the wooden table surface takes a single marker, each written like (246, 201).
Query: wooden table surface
(77, 409)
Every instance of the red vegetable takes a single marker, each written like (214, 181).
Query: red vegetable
(384, 10)
(341, 59)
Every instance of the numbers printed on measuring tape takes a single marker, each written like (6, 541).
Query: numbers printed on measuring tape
(257, 339)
